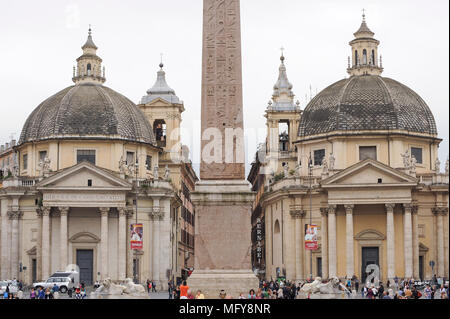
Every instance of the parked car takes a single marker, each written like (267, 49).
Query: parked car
(64, 281)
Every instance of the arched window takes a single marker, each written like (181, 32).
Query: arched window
(159, 129)
(276, 228)
(89, 69)
(364, 56)
(356, 58)
(373, 57)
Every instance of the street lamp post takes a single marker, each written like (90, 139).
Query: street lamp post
(136, 220)
(310, 209)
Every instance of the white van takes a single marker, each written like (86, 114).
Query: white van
(64, 281)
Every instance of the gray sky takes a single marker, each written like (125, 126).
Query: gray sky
(40, 41)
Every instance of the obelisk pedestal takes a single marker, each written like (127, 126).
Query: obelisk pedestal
(223, 239)
(223, 198)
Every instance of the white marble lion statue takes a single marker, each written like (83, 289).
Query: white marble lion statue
(108, 287)
(312, 287)
(132, 289)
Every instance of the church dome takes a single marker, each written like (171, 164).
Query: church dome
(367, 102)
(87, 111)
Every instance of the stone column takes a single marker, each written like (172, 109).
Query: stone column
(324, 235)
(156, 217)
(440, 212)
(350, 261)
(332, 258)
(14, 216)
(415, 220)
(104, 242)
(390, 238)
(297, 215)
(5, 265)
(129, 251)
(45, 243)
(122, 243)
(39, 245)
(408, 247)
(64, 211)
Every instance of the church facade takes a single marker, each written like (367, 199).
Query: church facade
(88, 165)
(361, 163)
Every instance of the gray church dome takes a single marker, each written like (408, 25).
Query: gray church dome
(87, 111)
(366, 102)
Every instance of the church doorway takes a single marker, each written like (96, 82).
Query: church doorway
(33, 270)
(85, 260)
(421, 268)
(370, 255)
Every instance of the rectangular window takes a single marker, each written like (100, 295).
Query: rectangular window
(86, 155)
(130, 158)
(25, 161)
(417, 153)
(318, 157)
(148, 162)
(42, 156)
(366, 152)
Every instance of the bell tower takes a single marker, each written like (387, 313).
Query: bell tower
(89, 65)
(364, 60)
(283, 117)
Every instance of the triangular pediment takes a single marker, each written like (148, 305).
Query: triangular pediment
(369, 173)
(77, 177)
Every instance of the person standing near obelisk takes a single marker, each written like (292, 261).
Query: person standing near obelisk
(222, 198)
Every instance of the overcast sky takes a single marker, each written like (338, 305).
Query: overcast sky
(40, 41)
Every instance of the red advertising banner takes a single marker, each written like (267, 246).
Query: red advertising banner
(136, 231)
(311, 237)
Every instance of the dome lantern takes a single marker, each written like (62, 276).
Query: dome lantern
(364, 59)
(89, 65)
(283, 97)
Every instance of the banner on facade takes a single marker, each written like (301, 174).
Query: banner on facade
(137, 231)
(311, 242)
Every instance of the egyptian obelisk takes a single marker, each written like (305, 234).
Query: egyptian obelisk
(222, 198)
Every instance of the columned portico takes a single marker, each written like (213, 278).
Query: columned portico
(5, 265)
(324, 234)
(64, 211)
(14, 216)
(350, 262)
(332, 257)
(415, 233)
(104, 242)
(439, 213)
(408, 244)
(390, 238)
(45, 242)
(129, 216)
(156, 216)
(297, 216)
(122, 243)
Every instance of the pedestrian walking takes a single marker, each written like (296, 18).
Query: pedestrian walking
(149, 286)
(32, 294)
(153, 286)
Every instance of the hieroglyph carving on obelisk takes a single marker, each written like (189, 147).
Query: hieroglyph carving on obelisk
(222, 115)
